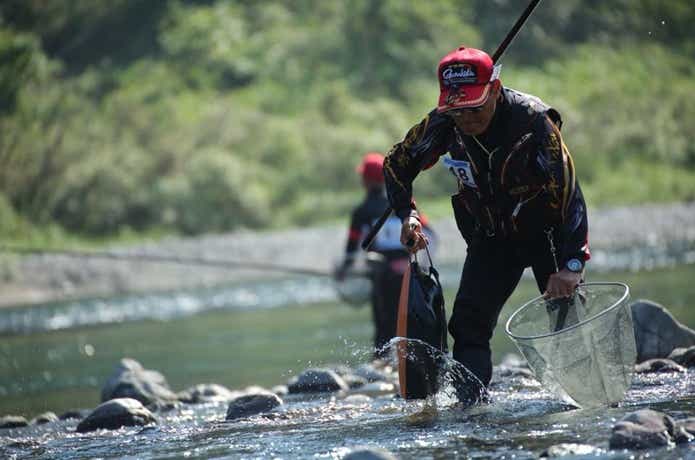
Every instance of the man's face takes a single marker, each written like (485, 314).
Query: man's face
(475, 121)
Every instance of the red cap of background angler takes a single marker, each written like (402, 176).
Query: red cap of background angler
(372, 167)
(464, 78)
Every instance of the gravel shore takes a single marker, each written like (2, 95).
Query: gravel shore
(42, 278)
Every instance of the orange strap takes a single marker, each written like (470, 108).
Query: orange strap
(402, 330)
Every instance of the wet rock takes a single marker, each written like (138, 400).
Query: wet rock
(251, 389)
(206, 392)
(74, 414)
(316, 381)
(688, 425)
(375, 389)
(280, 390)
(252, 404)
(340, 369)
(564, 449)
(645, 429)
(373, 373)
(508, 372)
(657, 333)
(357, 399)
(658, 365)
(513, 360)
(354, 381)
(512, 367)
(115, 414)
(684, 356)
(46, 417)
(163, 406)
(131, 380)
(13, 421)
(369, 453)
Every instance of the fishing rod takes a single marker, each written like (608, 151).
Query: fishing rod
(513, 32)
(143, 257)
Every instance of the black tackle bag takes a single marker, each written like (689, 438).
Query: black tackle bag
(422, 320)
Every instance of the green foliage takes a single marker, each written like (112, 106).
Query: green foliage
(214, 192)
(21, 63)
(555, 28)
(134, 117)
(619, 105)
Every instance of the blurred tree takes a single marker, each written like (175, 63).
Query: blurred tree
(204, 115)
(555, 26)
(390, 43)
(83, 32)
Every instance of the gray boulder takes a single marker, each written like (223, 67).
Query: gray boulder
(514, 361)
(688, 425)
(357, 399)
(340, 369)
(13, 421)
(657, 333)
(369, 453)
(373, 374)
(565, 449)
(131, 380)
(73, 414)
(206, 392)
(354, 381)
(646, 429)
(683, 356)
(115, 414)
(316, 381)
(375, 389)
(510, 368)
(46, 417)
(503, 372)
(658, 365)
(252, 404)
(280, 390)
(164, 406)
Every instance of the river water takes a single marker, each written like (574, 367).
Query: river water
(56, 357)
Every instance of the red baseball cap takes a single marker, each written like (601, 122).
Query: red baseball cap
(372, 167)
(465, 75)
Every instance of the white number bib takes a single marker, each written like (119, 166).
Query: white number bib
(461, 170)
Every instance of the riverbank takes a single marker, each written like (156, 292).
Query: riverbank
(634, 237)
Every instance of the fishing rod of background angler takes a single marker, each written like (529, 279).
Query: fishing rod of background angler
(159, 258)
(367, 242)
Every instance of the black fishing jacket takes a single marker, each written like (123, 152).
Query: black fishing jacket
(387, 241)
(516, 180)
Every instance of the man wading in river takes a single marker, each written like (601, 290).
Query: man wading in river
(387, 260)
(518, 203)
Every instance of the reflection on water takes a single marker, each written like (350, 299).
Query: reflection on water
(164, 306)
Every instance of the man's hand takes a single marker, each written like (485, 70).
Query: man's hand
(562, 284)
(412, 236)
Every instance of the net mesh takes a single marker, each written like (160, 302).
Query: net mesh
(581, 348)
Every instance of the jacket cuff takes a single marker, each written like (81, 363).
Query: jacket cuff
(404, 213)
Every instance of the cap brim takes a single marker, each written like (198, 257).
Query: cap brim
(464, 96)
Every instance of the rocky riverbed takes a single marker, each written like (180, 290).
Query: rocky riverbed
(356, 413)
(625, 238)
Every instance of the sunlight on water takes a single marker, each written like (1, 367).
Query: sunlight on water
(254, 342)
(521, 418)
(278, 293)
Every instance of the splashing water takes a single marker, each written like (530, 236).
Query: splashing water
(451, 382)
